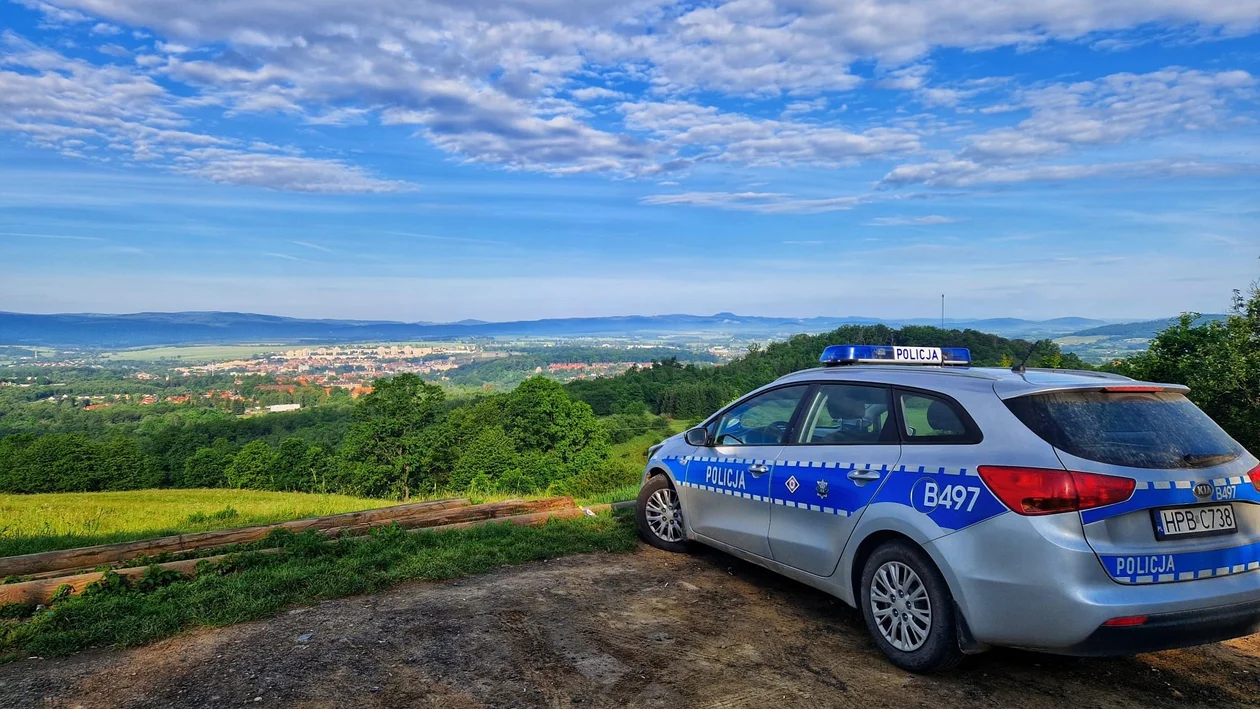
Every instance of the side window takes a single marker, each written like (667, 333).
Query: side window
(931, 419)
(760, 421)
(849, 414)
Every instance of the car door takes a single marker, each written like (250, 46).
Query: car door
(728, 481)
(843, 450)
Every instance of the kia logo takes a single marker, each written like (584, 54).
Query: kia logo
(1202, 490)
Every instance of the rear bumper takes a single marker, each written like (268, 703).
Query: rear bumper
(1034, 583)
(1166, 631)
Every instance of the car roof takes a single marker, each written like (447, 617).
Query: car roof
(1005, 382)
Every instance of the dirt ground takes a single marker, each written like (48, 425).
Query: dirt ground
(648, 629)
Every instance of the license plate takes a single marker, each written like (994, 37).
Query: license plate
(1202, 520)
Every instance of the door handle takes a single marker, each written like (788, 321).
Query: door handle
(864, 475)
(757, 469)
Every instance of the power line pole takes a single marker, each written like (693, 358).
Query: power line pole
(942, 311)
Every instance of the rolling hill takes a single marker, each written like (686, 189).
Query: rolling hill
(149, 329)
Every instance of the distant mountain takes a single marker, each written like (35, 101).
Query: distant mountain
(148, 329)
(1144, 329)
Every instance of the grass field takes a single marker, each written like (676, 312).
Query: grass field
(1073, 340)
(35, 523)
(195, 353)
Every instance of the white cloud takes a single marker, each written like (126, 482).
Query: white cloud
(1069, 118)
(966, 173)
(492, 81)
(54, 16)
(114, 50)
(927, 220)
(110, 113)
(760, 202)
(596, 93)
(283, 172)
(710, 134)
(316, 247)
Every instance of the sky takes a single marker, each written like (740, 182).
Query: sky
(435, 160)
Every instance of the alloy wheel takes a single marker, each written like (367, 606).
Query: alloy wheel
(664, 516)
(900, 603)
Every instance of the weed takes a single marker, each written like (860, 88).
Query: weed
(63, 592)
(15, 611)
(110, 583)
(156, 577)
(223, 515)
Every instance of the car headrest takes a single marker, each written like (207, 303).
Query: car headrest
(842, 407)
(943, 419)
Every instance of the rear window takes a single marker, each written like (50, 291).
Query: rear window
(1140, 430)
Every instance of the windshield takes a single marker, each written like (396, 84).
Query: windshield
(1140, 430)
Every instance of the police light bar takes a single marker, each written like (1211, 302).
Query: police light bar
(892, 354)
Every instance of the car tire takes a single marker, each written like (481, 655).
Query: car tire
(659, 515)
(908, 609)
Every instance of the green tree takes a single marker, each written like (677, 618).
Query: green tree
(490, 453)
(382, 454)
(289, 467)
(540, 418)
(124, 466)
(1218, 359)
(206, 468)
(252, 467)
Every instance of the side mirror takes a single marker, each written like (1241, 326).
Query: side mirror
(697, 437)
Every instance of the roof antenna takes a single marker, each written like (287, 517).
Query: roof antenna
(1020, 368)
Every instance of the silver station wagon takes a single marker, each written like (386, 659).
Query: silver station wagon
(959, 508)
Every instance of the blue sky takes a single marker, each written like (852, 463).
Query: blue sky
(517, 159)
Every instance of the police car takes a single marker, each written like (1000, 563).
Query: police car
(1072, 512)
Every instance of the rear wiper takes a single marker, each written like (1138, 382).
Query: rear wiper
(1205, 459)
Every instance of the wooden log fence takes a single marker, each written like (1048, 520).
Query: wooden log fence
(43, 590)
(93, 556)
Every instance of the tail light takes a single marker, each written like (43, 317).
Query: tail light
(1042, 491)
(1254, 476)
(1127, 621)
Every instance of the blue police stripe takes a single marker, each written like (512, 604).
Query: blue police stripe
(1169, 493)
(912, 488)
(1162, 568)
(925, 489)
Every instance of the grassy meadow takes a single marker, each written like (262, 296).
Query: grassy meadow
(308, 570)
(35, 523)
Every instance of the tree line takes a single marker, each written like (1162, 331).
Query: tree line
(401, 439)
(688, 391)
